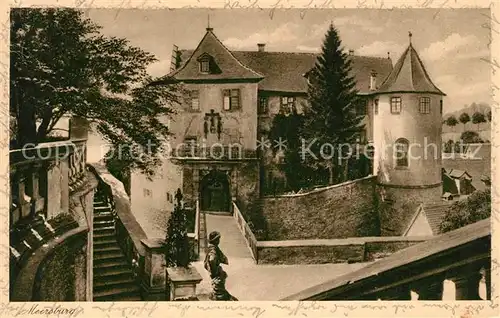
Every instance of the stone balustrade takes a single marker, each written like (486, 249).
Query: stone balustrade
(462, 256)
(39, 180)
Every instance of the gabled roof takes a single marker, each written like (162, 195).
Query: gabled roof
(230, 67)
(455, 173)
(284, 71)
(433, 212)
(409, 75)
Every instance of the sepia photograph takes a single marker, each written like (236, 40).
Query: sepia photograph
(238, 155)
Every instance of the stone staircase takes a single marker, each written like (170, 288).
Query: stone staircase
(113, 276)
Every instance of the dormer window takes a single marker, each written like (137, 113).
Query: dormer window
(205, 66)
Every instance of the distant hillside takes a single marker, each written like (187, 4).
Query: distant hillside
(454, 133)
(471, 109)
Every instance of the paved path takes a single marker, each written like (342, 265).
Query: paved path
(249, 281)
(232, 242)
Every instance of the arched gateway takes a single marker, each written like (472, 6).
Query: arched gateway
(214, 192)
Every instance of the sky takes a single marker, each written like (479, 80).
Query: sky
(452, 43)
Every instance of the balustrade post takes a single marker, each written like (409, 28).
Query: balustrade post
(64, 175)
(487, 278)
(430, 289)
(154, 280)
(467, 284)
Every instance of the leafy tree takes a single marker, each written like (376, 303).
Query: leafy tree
(489, 115)
(177, 249)
(61, 64)
(478, 118)
(475, 208)
(470, 137)
(331, 117)
(451, 121)
(464, 119)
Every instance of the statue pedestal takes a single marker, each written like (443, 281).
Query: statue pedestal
(183, 282)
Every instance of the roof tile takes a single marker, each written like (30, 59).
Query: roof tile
(284, 71)
(409, 75)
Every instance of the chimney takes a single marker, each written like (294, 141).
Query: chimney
(351, 52)
(373, 80)
(261, 47)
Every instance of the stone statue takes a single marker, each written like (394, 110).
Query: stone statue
(213, 261)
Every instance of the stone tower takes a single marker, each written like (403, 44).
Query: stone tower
(407, 139)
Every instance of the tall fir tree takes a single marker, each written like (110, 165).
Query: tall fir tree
(331, 117)
(177, 249)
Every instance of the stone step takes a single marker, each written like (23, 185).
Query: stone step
(113, 282)
(104, 236)
(99, 255)
(107, 249)
(106, 273)
(105, 223)
(116, 294)
(102, 209)
(107, 263)
(100, 204)
(104, 230)
(104, 217)
(104, 243)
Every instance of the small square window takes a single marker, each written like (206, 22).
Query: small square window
(194, 100)
(231, 99)
(287, 105)
(263, 105)
(395, 105)
(425, 105)
(361, 107)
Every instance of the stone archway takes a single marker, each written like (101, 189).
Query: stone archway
(215, 192)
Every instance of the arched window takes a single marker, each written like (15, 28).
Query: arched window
(401, 153)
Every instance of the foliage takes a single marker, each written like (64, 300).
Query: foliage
(451, 121)
(331, 117)
(464, 118)
(100, 78)
(448, 146)
(470, 137)
(177, 249)
(478, 118)
(475, 208)
(287, 127)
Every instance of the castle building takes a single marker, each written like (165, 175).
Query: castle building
(231, 98)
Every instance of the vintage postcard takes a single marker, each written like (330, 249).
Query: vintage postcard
(170, 159)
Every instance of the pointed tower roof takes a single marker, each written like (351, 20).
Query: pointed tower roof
(409, 76)
(225, 65)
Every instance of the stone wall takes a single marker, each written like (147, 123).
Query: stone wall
(338, 211)
(62, 275)
(361, 249)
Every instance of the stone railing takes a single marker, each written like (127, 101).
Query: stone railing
(77, 163)
(462, 256)
(246, 231)
(186, 151)
(350, 250)
(144, 254)
(39, 181)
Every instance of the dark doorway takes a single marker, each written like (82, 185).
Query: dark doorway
(214, 192)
